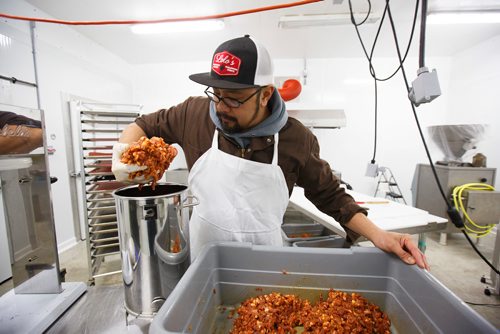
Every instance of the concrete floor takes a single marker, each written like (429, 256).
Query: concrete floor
(456, 265)
(460, 269)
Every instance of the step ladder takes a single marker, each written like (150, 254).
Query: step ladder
(387, 181)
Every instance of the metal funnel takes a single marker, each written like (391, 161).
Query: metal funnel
(456, 140)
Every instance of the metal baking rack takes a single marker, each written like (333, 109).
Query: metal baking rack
(100, 126)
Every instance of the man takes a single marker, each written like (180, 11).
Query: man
(245, 156)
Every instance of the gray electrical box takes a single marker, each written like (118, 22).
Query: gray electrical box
(483, 207)
(426, 195)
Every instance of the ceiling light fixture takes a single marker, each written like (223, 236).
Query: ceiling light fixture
(176, 27)
(315, 20)
(464, 17)
(5, 41)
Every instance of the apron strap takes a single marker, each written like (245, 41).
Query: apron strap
(215, 144)
(215, 140)
(275, 154)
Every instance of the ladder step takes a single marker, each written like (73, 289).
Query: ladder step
(394, 195)
(393, 184)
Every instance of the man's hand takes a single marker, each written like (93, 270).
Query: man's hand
(403, 246)
(392, 242)
(122, 170)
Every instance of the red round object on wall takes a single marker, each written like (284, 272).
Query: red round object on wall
(290, 90)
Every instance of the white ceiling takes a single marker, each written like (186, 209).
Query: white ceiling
(311, 42)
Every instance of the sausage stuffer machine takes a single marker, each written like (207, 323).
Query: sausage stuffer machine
(482, 206)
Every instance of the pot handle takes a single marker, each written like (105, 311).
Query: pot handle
(194, 201)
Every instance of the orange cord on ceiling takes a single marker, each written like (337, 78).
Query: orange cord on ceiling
(196, 18)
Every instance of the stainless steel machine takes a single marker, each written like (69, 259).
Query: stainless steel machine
(38, 297)
(468, 185)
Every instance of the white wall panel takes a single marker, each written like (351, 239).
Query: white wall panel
(69, 64)
(474, 95)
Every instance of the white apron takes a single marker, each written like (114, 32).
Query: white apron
(240, 200)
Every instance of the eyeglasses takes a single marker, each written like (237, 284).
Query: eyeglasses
(228, 101)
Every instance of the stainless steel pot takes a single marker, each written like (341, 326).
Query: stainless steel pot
(153, 227)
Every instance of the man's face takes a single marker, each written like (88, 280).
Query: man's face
(238, 119)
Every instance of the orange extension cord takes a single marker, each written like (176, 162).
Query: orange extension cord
(197, 18)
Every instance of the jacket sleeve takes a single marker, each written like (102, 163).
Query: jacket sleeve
(323, 189)
(168, 123)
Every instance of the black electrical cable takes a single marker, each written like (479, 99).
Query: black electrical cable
(479, 253)
(372, 72)
(370, 57)
(423, 25)
(372, 69)
(452, 212)
(366, 17)
(376, 121)
(414, 110)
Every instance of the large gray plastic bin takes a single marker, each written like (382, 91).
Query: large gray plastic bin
(228, 273)
(334, 241)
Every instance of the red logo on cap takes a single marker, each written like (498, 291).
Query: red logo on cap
(226, 64)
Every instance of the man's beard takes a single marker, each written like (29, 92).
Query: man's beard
(236, 128)
(228, 129)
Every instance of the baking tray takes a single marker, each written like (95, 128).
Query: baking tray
(95, 121)
(102, 252)
(228, 273)
(102, 130)
(99, 163)
(115, 139)
(105, 239)
(100, 147)
(113, 114)
(108, 205)
(105, 224)
(98, 155)
(104, 187)
(101, 170)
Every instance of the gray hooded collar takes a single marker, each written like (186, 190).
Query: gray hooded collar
(271, 125)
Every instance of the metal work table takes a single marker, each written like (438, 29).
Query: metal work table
(389, 215)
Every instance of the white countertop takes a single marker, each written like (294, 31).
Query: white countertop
(389, 215)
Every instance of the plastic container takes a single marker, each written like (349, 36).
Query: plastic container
(333, 241)
(297, 232)
(228, 273)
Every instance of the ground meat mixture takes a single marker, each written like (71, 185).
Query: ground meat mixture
(340, 313)
(153, 153)
(272, 313)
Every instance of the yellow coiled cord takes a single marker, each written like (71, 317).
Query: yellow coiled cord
(469, 224)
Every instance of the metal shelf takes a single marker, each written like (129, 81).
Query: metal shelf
(98, 130)
(94, 121)
(110, 113)
(102, 130)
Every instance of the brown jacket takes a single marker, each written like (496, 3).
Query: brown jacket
(189, 125)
